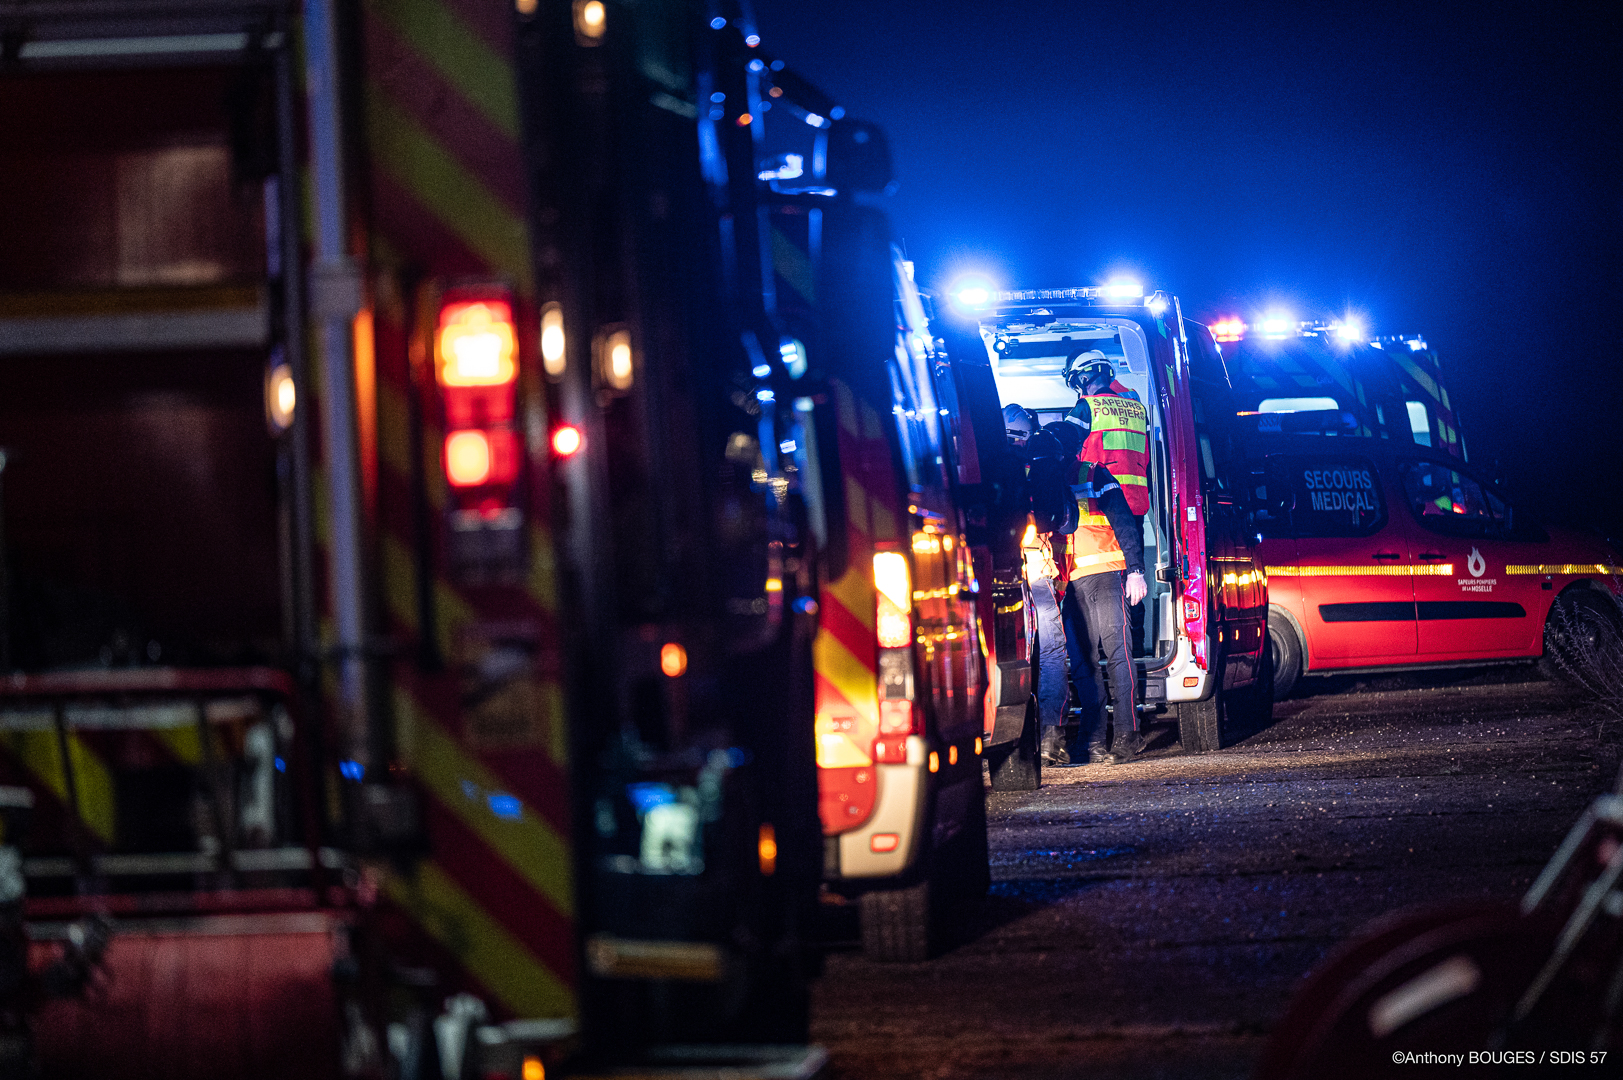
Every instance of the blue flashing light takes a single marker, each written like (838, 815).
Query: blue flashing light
(1123, 289)
(718, 97)
(1157, 305)
(816, 121)
(836, 112)
(1349, 331)
(717, 23)
(644, 797)
(281, 766)
(777, 65)
(761, 371)
(505, 806)
(753, 40)
(765, 395)
(1274, 326)
(806, 606)
(974, 296)
(351, 770)
(787, 446)
(757, 64)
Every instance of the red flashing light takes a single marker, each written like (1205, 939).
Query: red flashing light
(567, 441)
(1228, 330)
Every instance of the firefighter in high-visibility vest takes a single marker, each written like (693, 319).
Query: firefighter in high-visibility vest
(1107, 552)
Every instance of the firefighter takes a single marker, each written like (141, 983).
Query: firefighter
(1052, 512)
(1106, 550)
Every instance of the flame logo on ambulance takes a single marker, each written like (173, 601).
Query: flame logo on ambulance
(1476, 564)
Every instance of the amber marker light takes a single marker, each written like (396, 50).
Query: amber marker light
(673, 659)
(766, 847)
(533, 1069)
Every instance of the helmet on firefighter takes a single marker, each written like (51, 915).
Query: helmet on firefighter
(1082, 368)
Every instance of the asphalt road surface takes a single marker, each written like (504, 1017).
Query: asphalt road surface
(1153, 919)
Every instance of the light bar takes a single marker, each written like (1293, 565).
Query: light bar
(1116, 293)
(1225, 331)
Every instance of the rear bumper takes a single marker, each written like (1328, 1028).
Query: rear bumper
(899, 811)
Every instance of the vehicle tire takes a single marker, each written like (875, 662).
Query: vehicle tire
(1583, 642)
(1200, 723)
(1017, 765)
(1284, 655)
(898, 925)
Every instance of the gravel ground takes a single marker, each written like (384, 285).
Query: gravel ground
(1153, 919)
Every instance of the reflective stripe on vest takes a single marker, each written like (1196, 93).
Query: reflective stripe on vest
(1119, 440)
(1093, 547)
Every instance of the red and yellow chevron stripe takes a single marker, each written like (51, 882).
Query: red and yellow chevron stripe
(494, 897)
(845, 651)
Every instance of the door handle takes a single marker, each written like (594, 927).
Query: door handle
(1431, 556)
(1386, 555)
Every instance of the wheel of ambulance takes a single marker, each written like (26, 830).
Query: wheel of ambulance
(1200, 723)
(898, 925)
(1284, 655)
(1583, 643)
(1017, 765)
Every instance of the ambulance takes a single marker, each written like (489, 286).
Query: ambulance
(1384, 547)
(1198, 638)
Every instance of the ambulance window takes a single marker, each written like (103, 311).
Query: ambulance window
(1333, 496)
(1449, 502)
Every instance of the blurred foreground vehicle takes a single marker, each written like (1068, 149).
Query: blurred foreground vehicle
(474, 492)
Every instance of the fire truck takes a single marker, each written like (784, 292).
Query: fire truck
(1384, 546)
(1198, 640)
(485, 540)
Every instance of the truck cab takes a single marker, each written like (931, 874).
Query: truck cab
(1198, 639)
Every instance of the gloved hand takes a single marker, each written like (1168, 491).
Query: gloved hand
(1137, 588)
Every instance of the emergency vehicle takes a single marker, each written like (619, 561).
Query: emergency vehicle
(1384, 547)
(1198, 639)
(476, 490)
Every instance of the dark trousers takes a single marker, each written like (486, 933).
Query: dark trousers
(1097, 624)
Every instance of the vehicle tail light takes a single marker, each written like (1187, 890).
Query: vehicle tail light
(1194, 622)
(894, 600)
(895, 718)
(476, 344)
(479, 457)
(476, 359)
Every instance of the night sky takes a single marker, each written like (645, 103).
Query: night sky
(1445, 169)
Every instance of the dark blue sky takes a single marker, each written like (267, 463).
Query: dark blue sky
(1444, 169)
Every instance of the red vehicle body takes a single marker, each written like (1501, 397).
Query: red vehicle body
(1383, 547)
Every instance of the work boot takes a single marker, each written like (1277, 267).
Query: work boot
(1098, 753)
(1128, 747)
(1053, 748)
